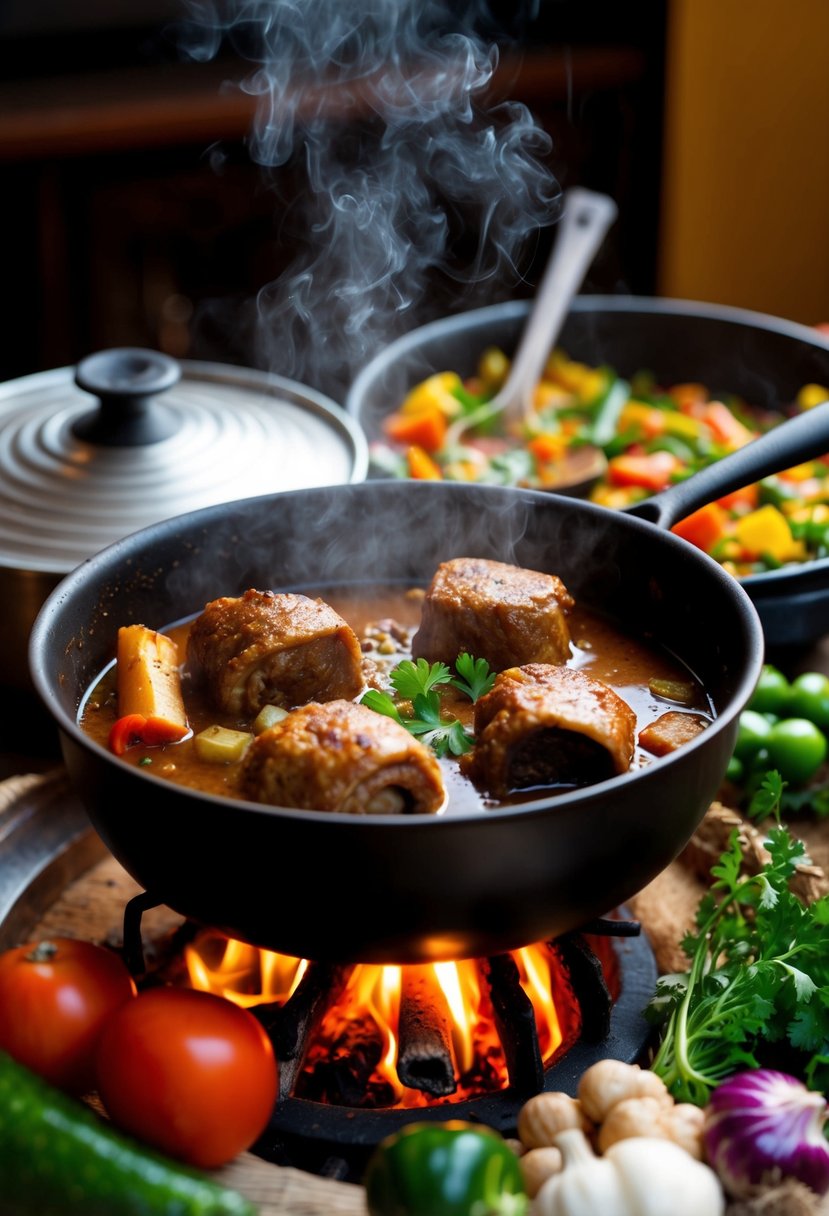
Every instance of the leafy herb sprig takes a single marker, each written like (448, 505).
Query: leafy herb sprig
(773, 794)
(417, 683)
(759, 973)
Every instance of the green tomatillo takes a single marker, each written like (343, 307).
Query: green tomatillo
(796, 748)
(445, 1169)
(771, 696)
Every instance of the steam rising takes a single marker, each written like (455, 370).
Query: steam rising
(407, 175)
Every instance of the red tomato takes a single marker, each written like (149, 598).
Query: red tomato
(188, 1072)
(55, 998)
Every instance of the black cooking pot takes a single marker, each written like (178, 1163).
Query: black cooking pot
(386, 888)
(763, 359)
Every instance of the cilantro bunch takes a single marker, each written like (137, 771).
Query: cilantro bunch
(416, 684)
(759, 973)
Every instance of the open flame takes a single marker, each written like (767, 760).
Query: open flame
(360, 1036)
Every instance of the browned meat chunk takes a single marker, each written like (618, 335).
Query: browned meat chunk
(494, 611)
(268, 648)
(548, 725)
(344, 757)
(670, 731)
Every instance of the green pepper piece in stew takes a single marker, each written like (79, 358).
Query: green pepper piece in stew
(445, 1169)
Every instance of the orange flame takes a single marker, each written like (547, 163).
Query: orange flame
(244, 974)
(369, 1007)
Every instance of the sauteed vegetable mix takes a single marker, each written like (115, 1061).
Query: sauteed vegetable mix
(644, 437)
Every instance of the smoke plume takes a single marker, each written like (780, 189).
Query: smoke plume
(408, 176)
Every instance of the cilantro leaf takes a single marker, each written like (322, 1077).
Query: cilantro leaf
(476, 676)
(766, 800)
(410, 679)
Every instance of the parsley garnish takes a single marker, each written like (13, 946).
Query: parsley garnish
(441, 734)
(411, 680)
(759, 973)
(476, 676)
(420, 710)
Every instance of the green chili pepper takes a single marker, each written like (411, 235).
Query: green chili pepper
(670, 443)
(445, 1169)
(470, 401)
(608, 410)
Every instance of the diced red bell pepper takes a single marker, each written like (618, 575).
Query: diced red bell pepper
(725, 427)
(127, 732)
(425, 429)
(703, 528)
(547, 448)
(652, 470)
(690, 398)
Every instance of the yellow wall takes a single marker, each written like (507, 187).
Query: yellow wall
(745, 207)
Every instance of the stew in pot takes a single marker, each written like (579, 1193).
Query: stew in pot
(483, 689)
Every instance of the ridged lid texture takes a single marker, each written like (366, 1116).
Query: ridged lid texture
(234, 433)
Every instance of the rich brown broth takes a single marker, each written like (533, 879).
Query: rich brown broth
(599, 648)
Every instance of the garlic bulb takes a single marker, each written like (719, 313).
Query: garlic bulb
(638, 1177)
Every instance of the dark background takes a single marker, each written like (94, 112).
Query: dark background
(135, 216)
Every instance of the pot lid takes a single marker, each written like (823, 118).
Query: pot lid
(155, 438)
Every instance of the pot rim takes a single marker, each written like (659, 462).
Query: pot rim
(512, 309)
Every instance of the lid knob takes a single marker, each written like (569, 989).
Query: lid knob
(126, 382)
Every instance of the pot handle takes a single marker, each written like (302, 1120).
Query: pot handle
(126, 382)
(804, 437)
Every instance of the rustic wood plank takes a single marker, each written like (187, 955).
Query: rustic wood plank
(281, 1191)
(92, 907)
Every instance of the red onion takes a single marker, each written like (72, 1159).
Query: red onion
(764, 1126)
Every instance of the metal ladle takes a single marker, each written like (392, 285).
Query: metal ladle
(582, 228)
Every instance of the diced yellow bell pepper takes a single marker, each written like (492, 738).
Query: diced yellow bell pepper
(811, 395)
(671, 422)
(436, 391)
(617, 497)
(586, 382)
(649, 419)
(799, 472)
(493, 367)
(547, 395)
(683, 426)
(547, 447)
(767, 531)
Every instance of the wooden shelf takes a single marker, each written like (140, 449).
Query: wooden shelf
(173, 104)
